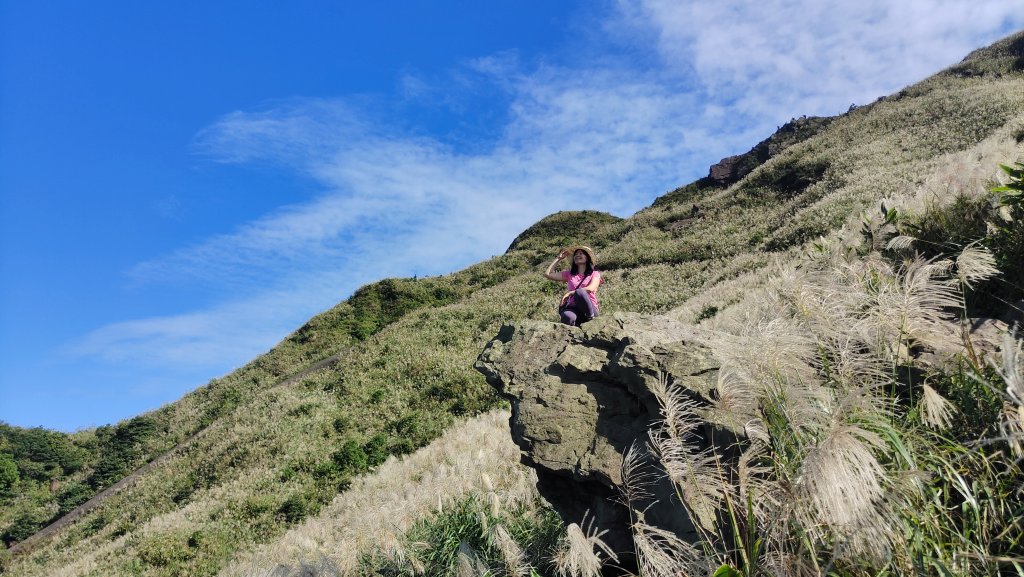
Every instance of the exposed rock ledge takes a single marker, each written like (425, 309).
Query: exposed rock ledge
(581, 396)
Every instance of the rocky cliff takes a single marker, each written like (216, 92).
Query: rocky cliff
(581, 397)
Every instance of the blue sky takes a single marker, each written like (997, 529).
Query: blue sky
(183, 184)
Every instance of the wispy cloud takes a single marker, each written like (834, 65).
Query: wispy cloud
(784, 58)
(394, 202)
(606, 139)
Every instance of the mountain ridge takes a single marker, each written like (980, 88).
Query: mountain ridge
(804, 188)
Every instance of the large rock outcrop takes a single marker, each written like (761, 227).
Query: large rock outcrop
(733, 168)
(582, 396)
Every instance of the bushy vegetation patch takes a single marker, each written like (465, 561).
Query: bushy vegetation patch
(473, 533)
(844, 462)
(687, 194)
(40, 454)
(562, 229)
(992, 221)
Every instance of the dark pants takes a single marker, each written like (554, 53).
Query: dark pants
(580, 311)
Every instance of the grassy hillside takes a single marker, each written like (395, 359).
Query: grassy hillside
(275, 454)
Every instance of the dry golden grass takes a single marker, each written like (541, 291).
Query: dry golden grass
(473, 456)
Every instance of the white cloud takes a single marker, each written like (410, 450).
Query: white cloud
(784, 58)
(604, 138)
(593, 139)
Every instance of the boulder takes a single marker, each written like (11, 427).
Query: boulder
(581, 397)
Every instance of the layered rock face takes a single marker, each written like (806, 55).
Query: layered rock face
(582, 396)
(733, 168)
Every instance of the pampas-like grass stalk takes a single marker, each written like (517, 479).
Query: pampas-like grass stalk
(662, 554)
(1012, 372)
(576, 556)
(481, 518)
(756, 483)
(1013, 427)
(736, 405)
(900, 243)
(911, 308)
(840, 487)
(696, 476)
(785, 564)
(416, 565)
(512, 554)
(637, 476)
(579, 551)
(695, 473)
(468, 563)
(936, 411)
(495, 503)
(975, 263)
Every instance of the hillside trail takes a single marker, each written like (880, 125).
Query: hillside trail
(98, 499)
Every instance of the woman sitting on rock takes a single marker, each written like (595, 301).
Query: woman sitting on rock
(579, 303)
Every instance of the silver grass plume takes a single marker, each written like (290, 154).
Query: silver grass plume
(940, 268)
(736, 405)
(579, 551)
(757, 484)
(840, 488)
(900, 243)
(784, 564)
(936, 410)
(854, 402)
(695, 473)
(417, 566)
(1012, 370)
(1012, 426)
(850, 366)
(662, 554)
(391, 547)
(814, 301)
(775, 361)
(637, 476)
(512, 554)
(975, 263)
(1012, 373)
(911, 307)
(468, 564)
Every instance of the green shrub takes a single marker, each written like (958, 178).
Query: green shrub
(408, 426)
(8, 474)
(376, 450)
(41, 454)
(72, 496)
(96, 523)
(942, 231)
(782, 180)
(224, 400)
(351, 458)
(1007, 240)
(112, 467)
(296, 508)
(123, 448)
(341, 423)
(25, 523)
(165, 550)
(435, 541)
(945, 228)
(707, 312)
(562, 229)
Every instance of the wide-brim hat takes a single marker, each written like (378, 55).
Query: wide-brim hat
(590, 252)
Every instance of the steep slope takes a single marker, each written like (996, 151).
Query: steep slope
(273, 456)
